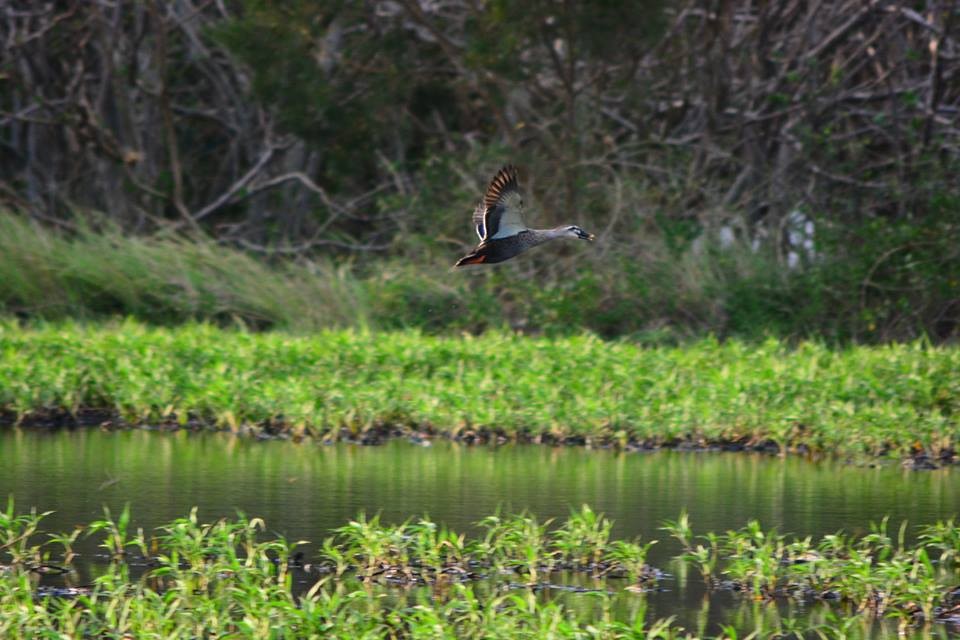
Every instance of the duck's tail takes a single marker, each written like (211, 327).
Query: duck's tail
(471, 258)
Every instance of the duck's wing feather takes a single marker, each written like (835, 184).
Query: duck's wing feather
(500, 214)
(478, 215)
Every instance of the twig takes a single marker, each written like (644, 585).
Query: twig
(226, 196)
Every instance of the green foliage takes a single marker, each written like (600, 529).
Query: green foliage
(401, 111)
(872, 573)
(116, 541)
(347, 80)
(498, 36)
(425, 552)
(226, 578)
(859, 401)
(101, 272)
(223, 578)
(343, 112)
(895, 274)
(896, 281)
(16, 534)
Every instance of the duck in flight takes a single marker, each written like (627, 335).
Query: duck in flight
(499, 222)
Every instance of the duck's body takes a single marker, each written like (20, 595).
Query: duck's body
(500, 249)
(499, 222)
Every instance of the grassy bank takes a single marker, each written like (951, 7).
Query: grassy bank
(647, 285)
(226, 579)
(97, 272)
(888, 400)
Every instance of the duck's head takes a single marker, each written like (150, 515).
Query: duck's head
(576, 232)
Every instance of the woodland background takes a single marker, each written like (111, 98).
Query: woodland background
(750, 168)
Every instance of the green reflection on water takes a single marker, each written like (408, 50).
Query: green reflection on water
(304, 490)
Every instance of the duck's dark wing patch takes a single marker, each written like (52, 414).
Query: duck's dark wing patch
(500, 213)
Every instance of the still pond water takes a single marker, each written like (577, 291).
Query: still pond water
(304, 490)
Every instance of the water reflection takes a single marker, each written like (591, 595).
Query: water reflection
(304, 490)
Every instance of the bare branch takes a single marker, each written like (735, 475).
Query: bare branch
(235, 188)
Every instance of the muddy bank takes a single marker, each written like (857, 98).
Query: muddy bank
(423, 434)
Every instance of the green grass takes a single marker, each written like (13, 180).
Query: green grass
(643, 283)
(887, 400)
(227, 579)
(97, 272)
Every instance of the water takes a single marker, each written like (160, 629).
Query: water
(304, 490)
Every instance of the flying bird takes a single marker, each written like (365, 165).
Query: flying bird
(499, 221)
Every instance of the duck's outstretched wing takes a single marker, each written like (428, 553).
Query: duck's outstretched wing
(500, 214)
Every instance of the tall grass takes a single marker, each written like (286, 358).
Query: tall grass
(636, 286)
(899, 399)
(165, 279)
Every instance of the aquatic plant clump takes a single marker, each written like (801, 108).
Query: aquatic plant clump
(223, 579)
(226, 578)
(900, 399)
(876, 573)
